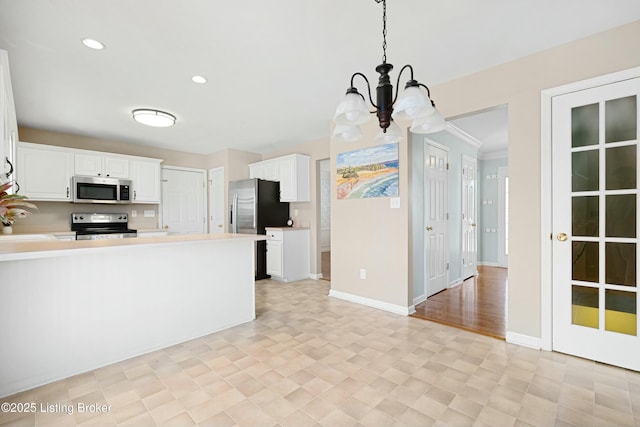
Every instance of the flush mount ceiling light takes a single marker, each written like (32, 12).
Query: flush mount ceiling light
(93, 44)
(155, 118)
(414, 102)
(199, 79)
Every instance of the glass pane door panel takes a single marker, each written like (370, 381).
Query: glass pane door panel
(620, 264)
(620, 312)
(585, 125)
(621, 116)
(620, 216)
(585, 170)
(585, 261)
(584, 216)
(621, 167)
(584, 306)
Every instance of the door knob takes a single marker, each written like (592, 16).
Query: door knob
(429, 228)
(562, 237)
(474, 224)
(166, 226)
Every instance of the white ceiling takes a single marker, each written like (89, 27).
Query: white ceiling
(276, 69)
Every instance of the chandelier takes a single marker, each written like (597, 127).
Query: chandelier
(413, 103)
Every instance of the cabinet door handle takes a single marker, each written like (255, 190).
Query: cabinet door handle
(134, 194)
(67, 192)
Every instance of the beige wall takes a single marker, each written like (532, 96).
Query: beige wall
(366, 234)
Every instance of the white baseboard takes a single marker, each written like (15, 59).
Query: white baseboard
(455, 283)
(315, 276)
(393, 308)
(524, 340)
(489, 264)
(418, 300)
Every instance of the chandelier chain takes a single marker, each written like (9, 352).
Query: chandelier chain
(384, 31)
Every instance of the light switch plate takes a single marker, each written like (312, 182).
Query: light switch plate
(394, 202)
(149, 213)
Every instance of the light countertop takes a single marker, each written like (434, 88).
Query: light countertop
(16, 249)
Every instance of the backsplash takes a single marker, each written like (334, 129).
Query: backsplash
(56, 216)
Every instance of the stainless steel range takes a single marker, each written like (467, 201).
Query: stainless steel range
(99, 226)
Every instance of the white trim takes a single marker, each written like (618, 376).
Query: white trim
(420, 299)
(493, 155)
(546, 205)
(315, 276)
(503, 176)
(381, 305)
(456, 282)
(489, 264)
(524, 340)
(210, 204)
(460, 134)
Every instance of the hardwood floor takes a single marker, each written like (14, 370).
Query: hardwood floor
(478, 305)
(326, 265)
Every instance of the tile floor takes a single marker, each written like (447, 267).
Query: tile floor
(312, 360)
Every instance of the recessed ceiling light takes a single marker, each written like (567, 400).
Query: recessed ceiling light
(199, 79)
(154, 118)
(93, 44)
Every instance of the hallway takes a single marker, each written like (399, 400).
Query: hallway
(478, 305)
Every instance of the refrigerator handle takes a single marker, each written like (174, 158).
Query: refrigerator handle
(234, 208)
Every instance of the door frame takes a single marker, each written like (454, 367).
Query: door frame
(211, 204)
(503, 175)
(546, 204)
(474, 160)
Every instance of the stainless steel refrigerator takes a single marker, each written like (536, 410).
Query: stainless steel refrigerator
(253, 205)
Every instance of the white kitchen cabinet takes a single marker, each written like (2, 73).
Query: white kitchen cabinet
(8, 122)
(288, 253)
(145, 178)
(292, 171)
(44, 172)
(95, 164)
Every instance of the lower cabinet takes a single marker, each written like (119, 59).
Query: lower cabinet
(288, 253)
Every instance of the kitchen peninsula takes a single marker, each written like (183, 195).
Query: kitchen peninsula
(68, 307)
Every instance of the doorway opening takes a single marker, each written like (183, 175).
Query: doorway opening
(475, 298)
(325, 218)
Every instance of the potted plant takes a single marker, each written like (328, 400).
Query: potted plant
(12, 207)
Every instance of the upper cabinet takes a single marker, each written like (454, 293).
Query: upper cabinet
(45, 171)
(8, 123)
(145, 178)
(292, 171)
(102, 165)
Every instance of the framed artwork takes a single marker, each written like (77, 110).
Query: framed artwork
(368, 172)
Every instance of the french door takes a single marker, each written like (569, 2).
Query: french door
(595, 223)
(436, 217)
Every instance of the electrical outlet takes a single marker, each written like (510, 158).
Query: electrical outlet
(363, 273)
(134, 213)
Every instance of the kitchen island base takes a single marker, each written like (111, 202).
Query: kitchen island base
(70, 311)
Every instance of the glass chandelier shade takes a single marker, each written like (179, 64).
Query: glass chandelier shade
(352, 110)
(392, 134)
(347, 133)
(432, 123)
(154, 118)
(412, 103)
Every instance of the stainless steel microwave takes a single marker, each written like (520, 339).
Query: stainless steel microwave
(89, 189)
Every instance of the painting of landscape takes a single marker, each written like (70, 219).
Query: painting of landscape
(369, 172)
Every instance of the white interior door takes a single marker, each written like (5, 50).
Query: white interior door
(216, 200)
(469, 219)
(183, 201)
(595, 223)
(436, 218)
